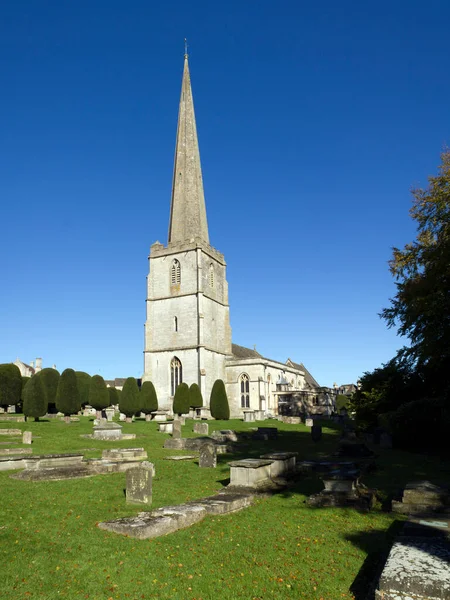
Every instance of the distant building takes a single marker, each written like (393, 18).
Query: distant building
(31, 369)
(346, 389)
(187, 329)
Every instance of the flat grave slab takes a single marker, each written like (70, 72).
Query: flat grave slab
(15, 451)
(10, 432)
(176, 458)
(416, 569)
(119, 454)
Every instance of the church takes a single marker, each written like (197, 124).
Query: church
(187, 328)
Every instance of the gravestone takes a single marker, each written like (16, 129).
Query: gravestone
(27, 437)
(202, 428)
(309, 422)
(249, 416)
(176, 429)
(139, 484)
(207, 456)
(316, 433)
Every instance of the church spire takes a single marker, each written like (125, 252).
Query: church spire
(187, 210)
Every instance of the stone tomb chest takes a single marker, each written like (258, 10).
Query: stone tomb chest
(107, 431)
(283, 463)
(166, 427)
(250, 472)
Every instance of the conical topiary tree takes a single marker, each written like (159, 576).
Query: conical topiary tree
(149, 400)
(50, 379)
(67, 394)
(34, 399)
(129, 400)
(10, 385)
(218, 403)
(98, 394)
(83, 382)
(113, 396)
(25, 380)
(181, 399)
(195, 396)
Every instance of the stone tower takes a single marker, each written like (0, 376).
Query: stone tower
(187, 329)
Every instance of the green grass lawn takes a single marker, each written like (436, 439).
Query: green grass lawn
(278, 548)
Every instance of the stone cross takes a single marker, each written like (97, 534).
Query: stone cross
(27, 437)
(176, 430)
(139, 483)
(208, 456)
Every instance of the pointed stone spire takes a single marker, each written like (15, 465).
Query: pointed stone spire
(187, 210)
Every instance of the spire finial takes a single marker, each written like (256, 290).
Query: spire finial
(185, 48)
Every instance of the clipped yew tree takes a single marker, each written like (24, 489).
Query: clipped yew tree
(113, 396)
(10, 385)
(98, 394)
(181, 399)
(67, 395)
(34, 399)
(218, 402)
(195, 396)
(149, 400)
(129, 401)
(49, 379)
(25, 380)
(83, 382)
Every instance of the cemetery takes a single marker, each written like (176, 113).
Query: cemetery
(232, 508)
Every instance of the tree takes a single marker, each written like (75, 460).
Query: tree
(421, 306)
(10, 385)
(113, 396)
(34, 398)
(98, 394)
(49, 379)
(195, 396)
(149, 400)
(181, 399)
(219, 401)
(67, 394)
(129, 398)
(83, 382)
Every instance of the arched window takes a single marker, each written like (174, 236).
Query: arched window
(211, 275)
(175, 273)
(175, 323)
(245, 390)
(176, 374)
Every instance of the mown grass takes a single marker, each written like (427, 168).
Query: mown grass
(278, 548)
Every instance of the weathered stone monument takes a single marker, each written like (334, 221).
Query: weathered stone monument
(176, 429)
(107, 431)
(139, 484)
(27, 437)
(423, 497)
(316, 433)
(207, 456)
(202, 428)
(109, 414)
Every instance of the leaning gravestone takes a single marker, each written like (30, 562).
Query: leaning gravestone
(27, 437)
(208, 456)
(176, 430)
(316, 433)
(139, 484)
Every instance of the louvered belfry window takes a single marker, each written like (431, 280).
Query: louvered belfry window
(175, 275)
(211, 275)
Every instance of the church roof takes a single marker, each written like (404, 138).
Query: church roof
(187, 210)
(243, 352)
(308, 377)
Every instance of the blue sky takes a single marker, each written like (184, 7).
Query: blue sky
(314, 121)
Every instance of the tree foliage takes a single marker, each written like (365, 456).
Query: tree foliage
(98, 393)
(181, 399)
(129, 401)
(50, 379)
(149, 400)
(34, 398)
(218, 403)
(421, 306)
(195, 396)
(83, 382)
(67, 394)
(113, 396)
(10, 384)
(25, 380)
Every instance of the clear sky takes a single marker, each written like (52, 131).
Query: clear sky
(315, 119)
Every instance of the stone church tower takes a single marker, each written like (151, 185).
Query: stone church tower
(187, 329)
